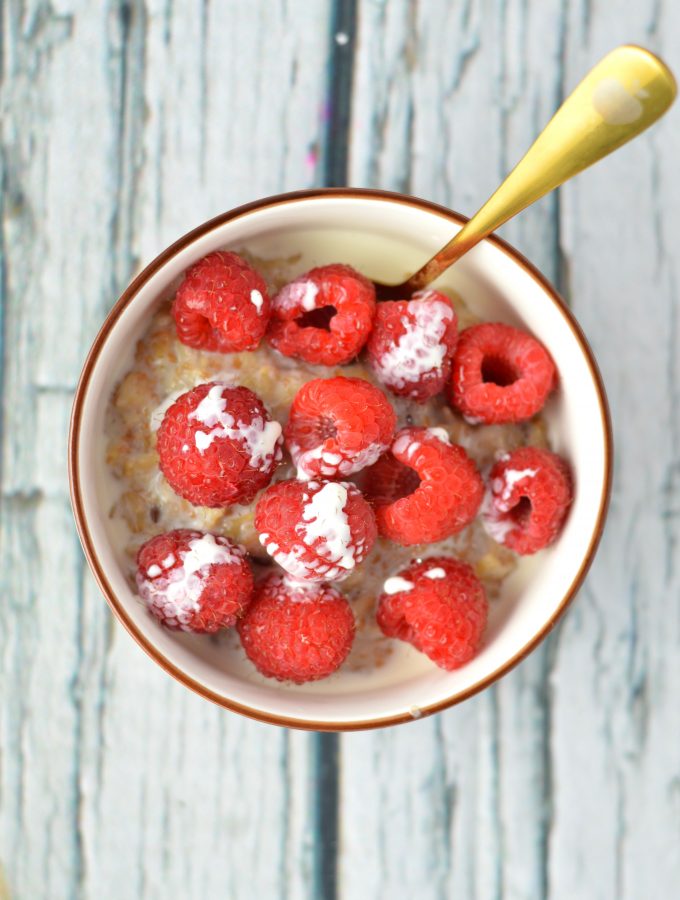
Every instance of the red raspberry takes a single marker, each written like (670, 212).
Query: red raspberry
(222, 305)
(297, 632)
(338, 426)
(527, 500)
(412, 343)
(500, 374)
(324, 316)
(439, 606)
(193, 581)
(316, 531)
(425, 489)
(217, 445)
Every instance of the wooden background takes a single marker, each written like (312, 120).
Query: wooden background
(124, 124)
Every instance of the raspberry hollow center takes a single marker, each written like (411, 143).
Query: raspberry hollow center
(521, 512)
(406, 482)
(317, 318)
(496, 370)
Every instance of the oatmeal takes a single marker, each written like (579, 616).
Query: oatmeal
(164, 368)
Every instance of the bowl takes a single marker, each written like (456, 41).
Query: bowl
(386, 236)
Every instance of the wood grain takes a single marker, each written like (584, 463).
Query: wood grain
(464, 91)
(123, 127)
(616, 678)
(558, 782)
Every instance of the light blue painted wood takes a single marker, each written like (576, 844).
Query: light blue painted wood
(122, 129)
(563, 780)
(459, 90)
(124, 125)
(616, 678)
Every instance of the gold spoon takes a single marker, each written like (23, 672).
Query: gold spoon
(624, 94)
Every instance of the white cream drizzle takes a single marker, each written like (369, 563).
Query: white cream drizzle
(178, 595)
(419, 349)
(299, 293)
(257, 300)
(496, 502)
(396, 584)
(322, 460)
(441, 434)
(324, 518)
(260, 437)
(502, 487)
(325, 528)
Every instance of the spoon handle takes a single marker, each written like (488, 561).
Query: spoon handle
(626, 92)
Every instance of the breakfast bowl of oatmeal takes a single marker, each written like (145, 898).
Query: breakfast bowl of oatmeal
(325, 511)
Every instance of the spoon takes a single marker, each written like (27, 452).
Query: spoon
(626, 92)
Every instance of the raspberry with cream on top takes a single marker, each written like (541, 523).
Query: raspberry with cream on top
(438, 605)
(316, 531)
(217, 445)
(221, 305)
(338, 426)
(323, 317)
(193, 581)
(527, 501)
(412, 344)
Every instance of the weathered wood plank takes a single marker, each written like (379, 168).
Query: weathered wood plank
(538, 788)
(116, 782)
(616, 717)
(458, 806)
(122, 128)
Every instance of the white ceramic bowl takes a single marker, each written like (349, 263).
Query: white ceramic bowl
(386, 236)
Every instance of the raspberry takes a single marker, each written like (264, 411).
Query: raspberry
(217, 445)
(412, 343)
(222, 305)
(527, 500)
(193, 581)
(338, 426)
(425, 489)
(439, 606)
(316, 531)
(296, 632)
(324, 316)
(500, 374)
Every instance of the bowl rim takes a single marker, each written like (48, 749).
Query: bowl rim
(76, 492)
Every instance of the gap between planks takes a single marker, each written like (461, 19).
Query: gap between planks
(334, 166)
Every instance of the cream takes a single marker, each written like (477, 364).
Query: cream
(396, 584)
(259, 436)
(419, 349)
